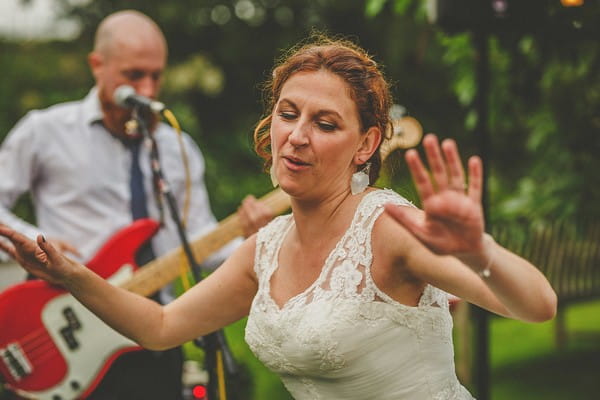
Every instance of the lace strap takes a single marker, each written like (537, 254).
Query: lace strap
(366, 214)
(433, 296)
(268, 240)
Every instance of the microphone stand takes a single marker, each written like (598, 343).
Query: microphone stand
(216, 350)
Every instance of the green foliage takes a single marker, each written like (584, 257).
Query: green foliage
(37, 75)
(373, 7)
(543, 102)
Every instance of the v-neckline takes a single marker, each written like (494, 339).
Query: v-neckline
(324, 267)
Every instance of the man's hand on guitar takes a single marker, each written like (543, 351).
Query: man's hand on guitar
(41, 259)
(253, 215)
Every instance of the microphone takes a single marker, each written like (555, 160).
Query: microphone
(126, 96)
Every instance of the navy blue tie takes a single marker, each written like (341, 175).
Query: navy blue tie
(139, 209)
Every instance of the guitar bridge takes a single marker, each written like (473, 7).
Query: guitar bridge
(15, 360)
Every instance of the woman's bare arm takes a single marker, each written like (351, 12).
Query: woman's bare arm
(452, 224)
(222, 298)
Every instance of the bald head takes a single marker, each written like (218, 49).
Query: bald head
(129, 28)
(129, 49)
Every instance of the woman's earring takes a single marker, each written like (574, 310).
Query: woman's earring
(273, 176)
(360, 180)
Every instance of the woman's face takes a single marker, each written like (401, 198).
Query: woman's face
(315, 135)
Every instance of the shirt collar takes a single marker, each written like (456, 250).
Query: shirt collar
(92, 111)
(92, 114)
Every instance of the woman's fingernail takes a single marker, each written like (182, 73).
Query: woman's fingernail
(43, 238)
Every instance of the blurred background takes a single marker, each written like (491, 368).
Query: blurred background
(515, 81)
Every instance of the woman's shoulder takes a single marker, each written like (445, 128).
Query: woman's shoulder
(374, 201)
(386, 227)
(274, 227)
(386, 195)
(378, 198)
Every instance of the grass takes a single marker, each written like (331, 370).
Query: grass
(562, 376)
(526, 363)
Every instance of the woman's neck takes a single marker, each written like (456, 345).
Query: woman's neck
(317, 219)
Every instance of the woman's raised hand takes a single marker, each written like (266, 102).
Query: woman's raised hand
(452, 222)
(39, 258)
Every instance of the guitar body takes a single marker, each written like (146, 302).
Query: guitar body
(51, 346)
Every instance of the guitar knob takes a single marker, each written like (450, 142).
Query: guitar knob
(75, 385)
(56, 397)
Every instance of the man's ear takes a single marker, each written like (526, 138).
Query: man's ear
(95, 62)
(369, 143)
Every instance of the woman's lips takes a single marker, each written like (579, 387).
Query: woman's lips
(295, 164)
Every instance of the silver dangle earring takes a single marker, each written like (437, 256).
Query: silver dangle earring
(274, 180)
(360, 179)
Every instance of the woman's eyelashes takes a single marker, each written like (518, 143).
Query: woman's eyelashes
(325, 126)
(287, 115)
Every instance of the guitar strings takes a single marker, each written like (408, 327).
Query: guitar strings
(38, 347)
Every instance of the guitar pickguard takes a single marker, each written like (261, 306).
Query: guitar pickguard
(80, 335)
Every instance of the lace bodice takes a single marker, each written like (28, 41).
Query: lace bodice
(344, 338)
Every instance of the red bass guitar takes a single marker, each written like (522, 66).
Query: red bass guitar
(51, 347)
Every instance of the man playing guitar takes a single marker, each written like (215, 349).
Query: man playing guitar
(75, 159)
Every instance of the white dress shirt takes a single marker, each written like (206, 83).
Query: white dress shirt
(78, 177)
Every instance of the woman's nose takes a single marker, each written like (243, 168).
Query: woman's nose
(299, 135)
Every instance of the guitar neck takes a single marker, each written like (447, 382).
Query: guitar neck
(165, 269)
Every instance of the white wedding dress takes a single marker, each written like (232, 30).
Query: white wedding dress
(343, 338)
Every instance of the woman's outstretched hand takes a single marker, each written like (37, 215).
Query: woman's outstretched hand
(39, 258)
(452, 222)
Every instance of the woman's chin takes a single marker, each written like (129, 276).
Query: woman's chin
(293, 189)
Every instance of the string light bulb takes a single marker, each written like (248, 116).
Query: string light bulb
(571, 3)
